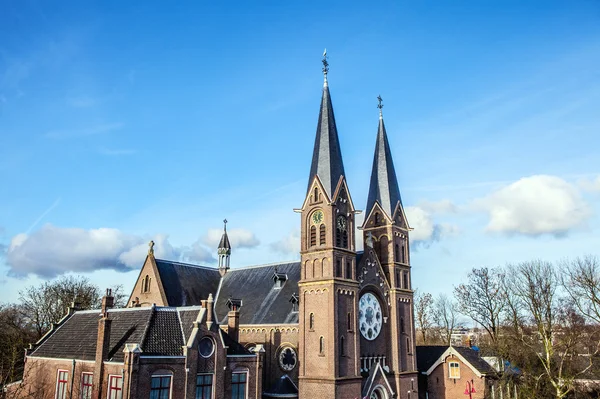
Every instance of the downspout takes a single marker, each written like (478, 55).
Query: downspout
(72, 379)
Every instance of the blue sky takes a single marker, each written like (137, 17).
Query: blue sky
(121, 123)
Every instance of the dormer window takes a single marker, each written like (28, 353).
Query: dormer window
(279, 280)
(294, 300)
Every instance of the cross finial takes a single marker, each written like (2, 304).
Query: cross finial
(151, 248)
(224, 224)
(380, 106)
(325, 66)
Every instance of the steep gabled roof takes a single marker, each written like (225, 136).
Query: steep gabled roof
(327, 155)
(384, 184)
(428, 357)
(186, 284)
(262, 301)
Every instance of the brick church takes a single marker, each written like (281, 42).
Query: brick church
(337, 324)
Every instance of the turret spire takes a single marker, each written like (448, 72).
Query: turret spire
(224, 250)
(327, 156)
(384, 185)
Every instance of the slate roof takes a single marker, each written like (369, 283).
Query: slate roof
(384, 184)
(160, 331)
(327, 156)
(262, 302)
(224, 243)
(428, 355)
(186, 284)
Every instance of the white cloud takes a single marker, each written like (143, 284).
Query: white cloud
(289, 244)
(239, 238)
(51, 251)
(590, 185)
(534, 206)
(443, 206)
(425, 231)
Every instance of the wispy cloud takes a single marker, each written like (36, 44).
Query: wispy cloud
(84, 132)
(43, 215)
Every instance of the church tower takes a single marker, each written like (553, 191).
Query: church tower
(328, 341)
(386, 231)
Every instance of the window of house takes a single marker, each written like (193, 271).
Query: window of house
(86, 385)
(349, 270)
(238, 385)
(311, 322)
(61, 384)
(342, 346)
(322, 232)
(313, 236)
(115, 387)
(204, 384)
(161, 387)
(322, 345)
(454, 368)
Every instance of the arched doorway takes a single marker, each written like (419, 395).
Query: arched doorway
(378, 393)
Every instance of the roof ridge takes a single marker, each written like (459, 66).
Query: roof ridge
(263, 265)
(188, 264)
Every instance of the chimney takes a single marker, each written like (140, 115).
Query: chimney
(102, 343)
(209, 311)
(233, 318)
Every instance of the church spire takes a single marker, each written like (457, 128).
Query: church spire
(384, 185)
(327, 155)
(224, 250)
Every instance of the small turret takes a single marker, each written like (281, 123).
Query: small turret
(224, 251)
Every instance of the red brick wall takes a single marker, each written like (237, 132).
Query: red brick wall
(440, 386)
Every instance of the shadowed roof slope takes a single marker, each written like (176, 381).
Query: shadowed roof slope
(384, 185)
(186, 284)
(262, 301)
(327, 156)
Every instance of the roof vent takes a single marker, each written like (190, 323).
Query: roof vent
(279, 279)
(234, 304)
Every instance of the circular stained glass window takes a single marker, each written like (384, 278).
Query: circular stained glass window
(370, 316)
(288, 359)
(206, 347)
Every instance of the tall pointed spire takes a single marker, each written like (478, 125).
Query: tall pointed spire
(327, 156)
(384, 185)
(224, 250)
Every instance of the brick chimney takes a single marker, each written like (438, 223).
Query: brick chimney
(102, 344)
(209, 311)
(233, 318)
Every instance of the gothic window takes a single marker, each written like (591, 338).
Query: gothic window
(322, 345)
(345, 239)
(311, 322)
(377, 218)
(146, 284)
(342, 347)
(338, 268)
(348, 270)
(322, 234)
(287, 359)
(402, 324)
(403, 254)
(405, 276)
(408, 345)
(397, 278)
(341, 230)
(350, 320)
(396, 253)
(313, 236)
(316, 195)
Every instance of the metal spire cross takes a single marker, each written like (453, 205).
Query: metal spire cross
(224, 224)
(325, 65)
(380, 105)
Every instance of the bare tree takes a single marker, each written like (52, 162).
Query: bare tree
(581, 279)
(14, 336)
(445, 317)
(482, 299)
(424, 313)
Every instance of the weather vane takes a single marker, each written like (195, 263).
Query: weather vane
(380, 105)
(325, 64)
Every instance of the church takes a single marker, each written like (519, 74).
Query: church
(337, 324)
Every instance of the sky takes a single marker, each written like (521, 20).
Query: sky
(122, 122)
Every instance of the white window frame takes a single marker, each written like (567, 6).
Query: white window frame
(450, 370)
(161, 376)
(212, 385)
(81, 385)
(110, 377)
(245, 384)
(66, 384)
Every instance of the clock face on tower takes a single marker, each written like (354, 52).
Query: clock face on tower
(341, 223)
(370, 316)
(317, 217)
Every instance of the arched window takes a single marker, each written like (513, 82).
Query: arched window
(322, 234)
(311, 321)
(403, 254)
(316, 194)
(377, 218)
(313, 236)
(398, 278)
(397, 253)
(402, 324)
(322, 345)
(338, 268)
(405, 276)
(342, 347)
(146, 284)
(349, 321)
(345, 239)
(349, 270)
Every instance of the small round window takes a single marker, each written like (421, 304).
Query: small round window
(288, 359)
(206, 347)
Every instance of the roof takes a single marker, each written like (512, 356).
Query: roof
(262, 301)
(224, 243)
(284, 387)
(384, 184)
(327, 156)
(159, 331)
(186, 284)
(428, 356)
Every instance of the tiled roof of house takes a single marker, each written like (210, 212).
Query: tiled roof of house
(185, 284)
(427, 355)
(160, 331)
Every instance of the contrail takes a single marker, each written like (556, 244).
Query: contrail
(43, 215)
